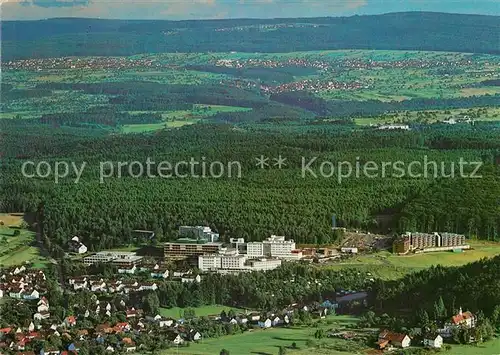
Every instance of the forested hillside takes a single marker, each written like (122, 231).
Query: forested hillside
(473, 287)
(412, 30)
(262, 201)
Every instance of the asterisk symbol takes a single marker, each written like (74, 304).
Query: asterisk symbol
(280, 162)
(262, 162)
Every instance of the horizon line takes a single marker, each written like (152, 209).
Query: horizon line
(251, 18)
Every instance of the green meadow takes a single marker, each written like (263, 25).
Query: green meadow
(268, 341)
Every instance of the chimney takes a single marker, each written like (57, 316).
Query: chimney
(460, 311)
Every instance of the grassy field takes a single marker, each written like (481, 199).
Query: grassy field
(389, 266)
(18, 249)
(489, 348)
(176, 119)
(203, 311)
(478, 114)
(268, 341)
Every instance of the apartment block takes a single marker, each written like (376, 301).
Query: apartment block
(184, 248)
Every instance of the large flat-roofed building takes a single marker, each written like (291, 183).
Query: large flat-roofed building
(114, 257)
(274, 246)
(235, 263)
(264, 264)
(199, 232)
(278, 246)
(185, 248)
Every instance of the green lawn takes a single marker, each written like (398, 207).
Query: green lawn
(142, 128)
(203, 311)
(267, 341)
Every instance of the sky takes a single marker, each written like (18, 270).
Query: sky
(211, 9)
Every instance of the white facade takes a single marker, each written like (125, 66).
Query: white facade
(118, 258)
(255, 250)
(209, 262)
(437, 342)
(274, 246)
(82, 249)
(264, 264)
(219, 261)
(233, 262)
(349, 250)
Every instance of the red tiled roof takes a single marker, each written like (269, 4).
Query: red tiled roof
(459, 318)
(391, 336)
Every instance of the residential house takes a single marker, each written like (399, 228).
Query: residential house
(5, 331)
(194, 335)
(242, 320)
(75, 246)
(98, 286)
(265, 324)
(197, 279)
(277, 321)
(462, 319)
(160, 274)
(127, 269)
(150, 286)
(153, 319)
(322, 312)
(254, 317)
(131, 313)
(129, 345)
(175, 338)
(43, 305)
(166, 322)
(82, 334)
(19, 269)
(30, 294)
(398, 340)
(70, 321)
(433, 341)
(121, 327)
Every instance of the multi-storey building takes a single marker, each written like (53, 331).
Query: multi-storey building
(424, 240)
(451, 239)
(264, 264)
(274, 246)
(185, 248)
(427, 241)
(401, 245)
(235, 263)
(116, 258)
(277, 246)
(255, 249)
